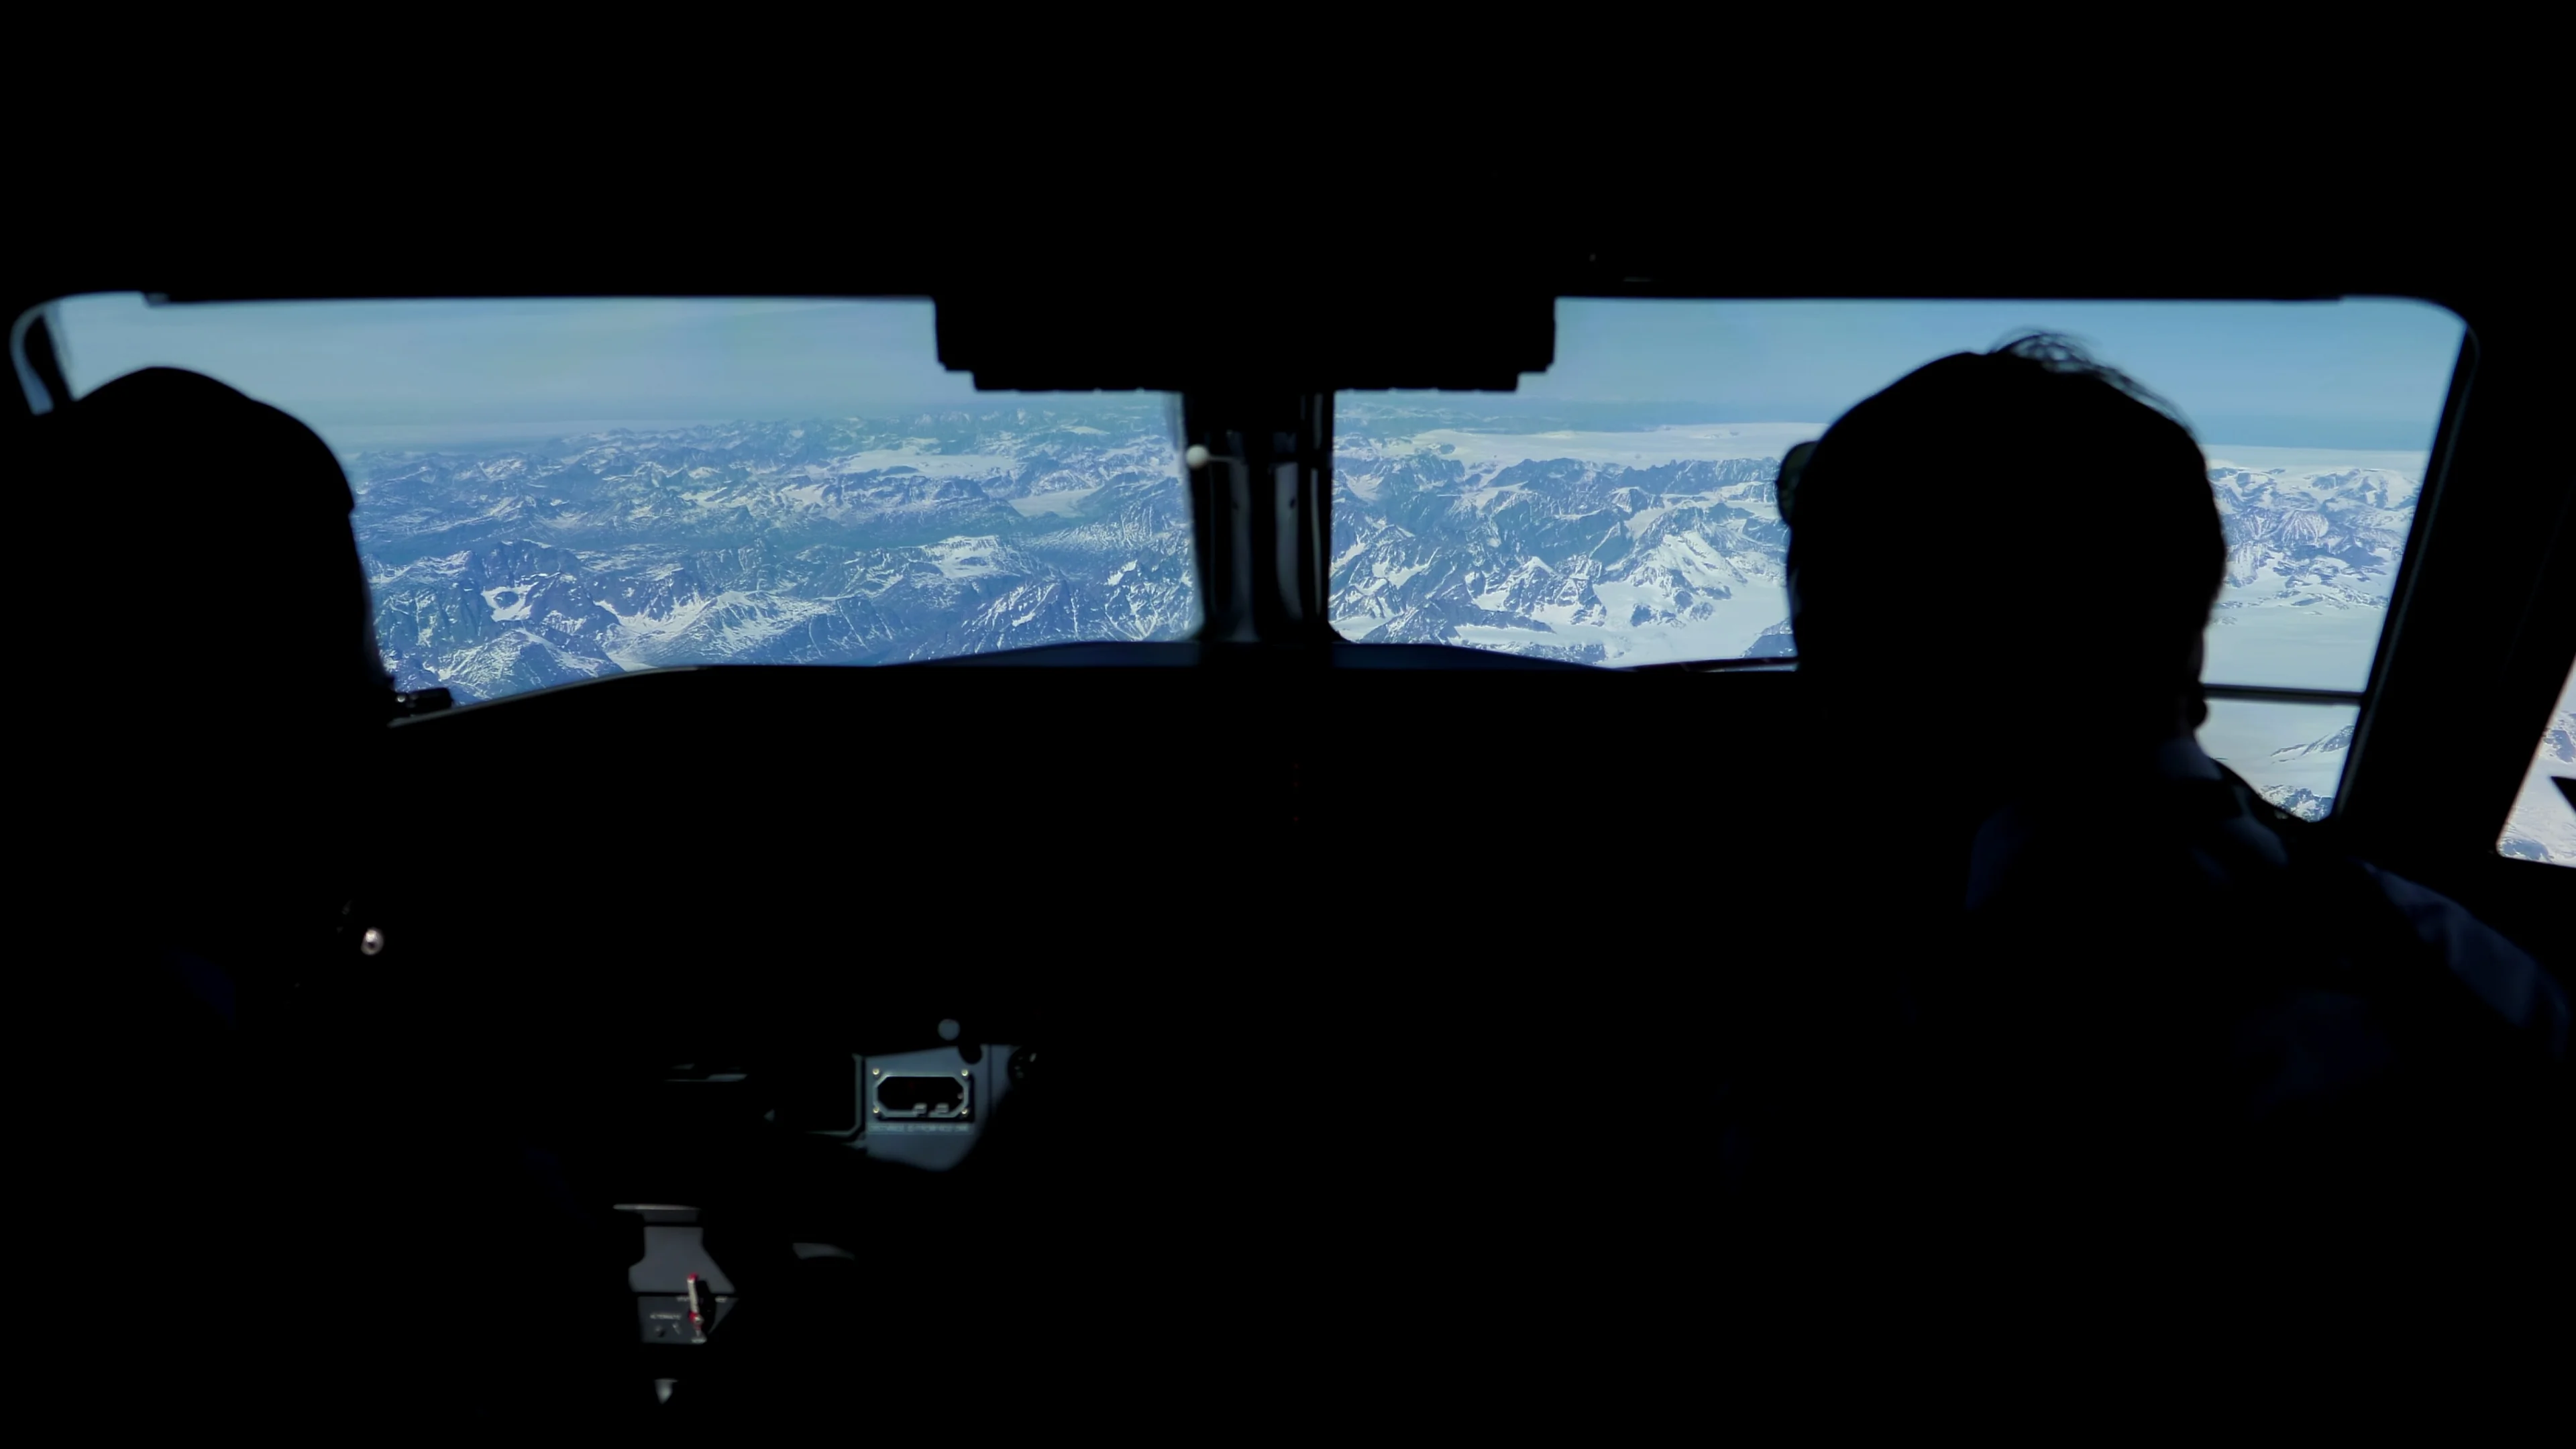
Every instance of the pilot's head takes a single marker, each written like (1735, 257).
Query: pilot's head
(219, 733)
(2021, 532)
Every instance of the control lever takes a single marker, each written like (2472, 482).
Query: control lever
(681, 1293)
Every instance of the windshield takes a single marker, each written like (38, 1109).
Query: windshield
(560, 490)
(1619, 509)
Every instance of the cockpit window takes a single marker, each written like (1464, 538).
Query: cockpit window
(1619, 508)
(2543, 823)
(559, 490)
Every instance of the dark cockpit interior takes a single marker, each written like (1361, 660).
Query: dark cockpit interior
(1323, 845)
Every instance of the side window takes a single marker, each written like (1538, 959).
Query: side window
(2543, 823)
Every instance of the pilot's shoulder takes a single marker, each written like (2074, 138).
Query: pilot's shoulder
(2502, 973)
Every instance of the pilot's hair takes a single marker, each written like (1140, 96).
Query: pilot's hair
(2029, 513)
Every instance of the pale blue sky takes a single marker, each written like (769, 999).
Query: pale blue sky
(2364, 373)
(2355, 374)
(375, 373)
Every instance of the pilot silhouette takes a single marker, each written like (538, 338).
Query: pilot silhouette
(2065, 977)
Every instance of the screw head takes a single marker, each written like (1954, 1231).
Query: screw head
(371, 942)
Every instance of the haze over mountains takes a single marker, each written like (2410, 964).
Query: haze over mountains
(1615, 540)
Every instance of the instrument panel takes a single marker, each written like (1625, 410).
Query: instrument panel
(921, 1110)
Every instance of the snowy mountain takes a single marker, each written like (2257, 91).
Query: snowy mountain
(2340, 740)
(2321, 536)
(1439, 540)
(853, 541)
(2299, 800)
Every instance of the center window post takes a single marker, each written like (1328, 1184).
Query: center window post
(1301, 519)
(1221, 507)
